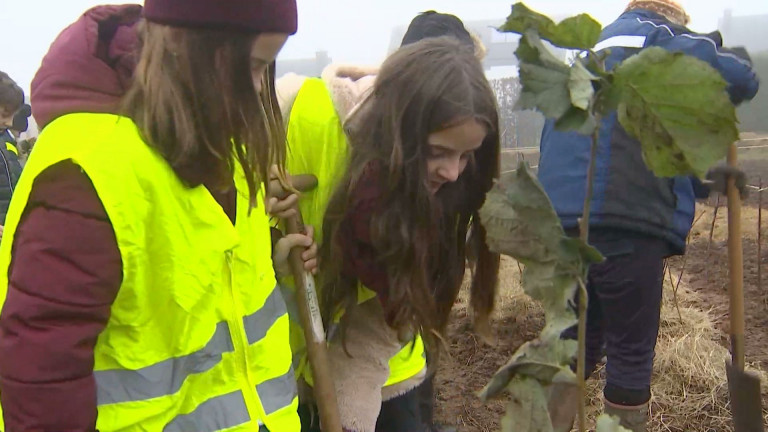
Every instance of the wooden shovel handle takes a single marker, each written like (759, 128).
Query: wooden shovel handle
(736, 265)
(323, 387)
(309, 312)
(301, 182)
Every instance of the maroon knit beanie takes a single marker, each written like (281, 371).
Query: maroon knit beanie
(256, 16)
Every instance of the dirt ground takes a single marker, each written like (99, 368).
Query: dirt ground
(472, 362)
(706, 265)
(704, 270)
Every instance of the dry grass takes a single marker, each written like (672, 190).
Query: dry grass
(511, 300)
(690, 387)
(690, 391)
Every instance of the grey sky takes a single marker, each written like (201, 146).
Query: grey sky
(350, 30)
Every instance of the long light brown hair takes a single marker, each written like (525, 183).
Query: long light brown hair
(193, 99)
(422, 239)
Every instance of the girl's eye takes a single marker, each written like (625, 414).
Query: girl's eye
(435, 152)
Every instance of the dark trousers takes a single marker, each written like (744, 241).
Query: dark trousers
(404, 413)
(623, 312)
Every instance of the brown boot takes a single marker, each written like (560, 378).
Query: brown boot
(563, 406)
(634, 418)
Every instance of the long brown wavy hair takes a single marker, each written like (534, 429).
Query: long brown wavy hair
(193, 99)
(422, 239)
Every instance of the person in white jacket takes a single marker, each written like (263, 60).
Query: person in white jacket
(408, 404)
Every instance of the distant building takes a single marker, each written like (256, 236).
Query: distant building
(311, 67)
(750, 31)
(500, 47)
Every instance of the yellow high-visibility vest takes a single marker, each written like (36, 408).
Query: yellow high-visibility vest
(318, 145)
(198, 335)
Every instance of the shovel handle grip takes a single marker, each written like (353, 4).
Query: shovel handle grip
(301, 182)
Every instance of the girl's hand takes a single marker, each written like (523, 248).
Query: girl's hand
(284, 208)
(288, 242)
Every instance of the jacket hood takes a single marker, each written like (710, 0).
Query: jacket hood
(89, 66)
(348, 85)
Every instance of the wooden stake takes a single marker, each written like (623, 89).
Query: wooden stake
(736, 266)
(760, 237)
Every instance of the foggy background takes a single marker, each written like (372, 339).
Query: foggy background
(366, 31)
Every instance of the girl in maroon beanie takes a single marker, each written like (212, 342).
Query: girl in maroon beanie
(138, 285)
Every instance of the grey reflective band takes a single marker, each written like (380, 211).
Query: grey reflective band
(166, 377)
(160, 379)
(257, 324)
(215, 414)
(277, 393)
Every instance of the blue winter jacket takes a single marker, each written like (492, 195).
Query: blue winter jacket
(627, 196)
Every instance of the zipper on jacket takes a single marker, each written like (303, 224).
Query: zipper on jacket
(7, 172)
(240, 344)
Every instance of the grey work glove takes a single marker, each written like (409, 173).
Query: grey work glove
(717, 180)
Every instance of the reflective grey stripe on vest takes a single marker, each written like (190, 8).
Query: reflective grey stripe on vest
(215, 414)
(277, 393)
(257, 325)
(166, 377)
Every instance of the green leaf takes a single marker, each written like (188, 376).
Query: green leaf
(677, 107)
(580, 85)
(578, 32)
(576, 119)
(554, 285)
(606, 423)
(521, 222)
(527, 408)
(550, 86)
(520, 219)
(582, 91)
(545, 79)
(542, 360)
(609, 98)
(575, 250)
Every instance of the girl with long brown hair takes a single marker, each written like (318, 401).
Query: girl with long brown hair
(138, 283)
(423, 150)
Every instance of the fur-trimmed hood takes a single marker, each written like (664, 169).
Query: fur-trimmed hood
(348, 84)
